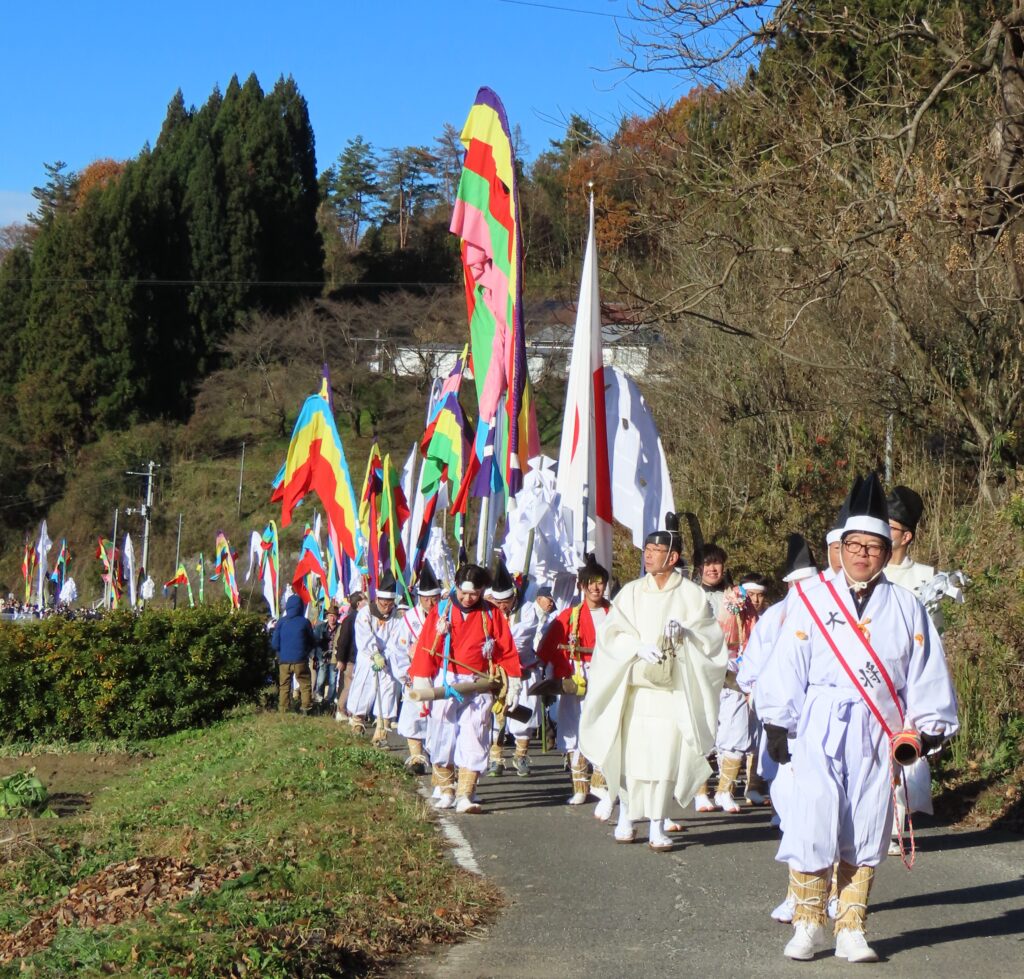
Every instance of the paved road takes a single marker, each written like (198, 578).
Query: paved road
(582, 906)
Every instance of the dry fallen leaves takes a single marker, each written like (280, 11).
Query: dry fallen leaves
(114, 894)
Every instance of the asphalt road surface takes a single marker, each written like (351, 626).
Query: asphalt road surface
(581, 905)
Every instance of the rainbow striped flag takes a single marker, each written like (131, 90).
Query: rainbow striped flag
(309, 568)
(486, 218)
(394, 513)
(28, 567)
(224, 569)
(369, 514)
(316, 461)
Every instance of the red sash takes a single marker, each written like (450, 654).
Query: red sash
(859, 660)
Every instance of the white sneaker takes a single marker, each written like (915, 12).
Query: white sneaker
(726, 802)
(807, 940)
(445, 800)
(755, 798)
(703, 804)
(603, 810)
(833, 908)
(466, 804)
(577, 799)
(853, 946)
(785, 911)
(894, 847)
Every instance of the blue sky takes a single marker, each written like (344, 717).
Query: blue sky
(93, 80)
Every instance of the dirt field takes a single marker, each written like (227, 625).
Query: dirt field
(71, 779)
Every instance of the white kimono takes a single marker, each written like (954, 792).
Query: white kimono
(411, 721)
(841, 757)
(373, 635)
(653, 741)
(524, 626)
(910, 574)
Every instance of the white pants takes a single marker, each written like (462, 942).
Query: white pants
(412, 722)
(459, 734)
(362, 697)
(842, 805)
(524, 729)
(733, 736)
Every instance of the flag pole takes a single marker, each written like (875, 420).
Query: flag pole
(177, 563)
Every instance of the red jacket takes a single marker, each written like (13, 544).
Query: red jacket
(469, 630)
(558, 634)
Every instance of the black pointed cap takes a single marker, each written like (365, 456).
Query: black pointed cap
(503, 585)
(387, 586)
(427, 584)
(836, 533)
(670, 536)
(868, 511)
(905, 507)
(799, 559)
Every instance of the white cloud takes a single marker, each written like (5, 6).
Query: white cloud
(15, 206)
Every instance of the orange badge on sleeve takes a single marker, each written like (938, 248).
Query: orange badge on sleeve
(919, 638)
(801, 635)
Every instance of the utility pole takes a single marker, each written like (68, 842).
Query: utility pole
(146, 511)
(241, 470)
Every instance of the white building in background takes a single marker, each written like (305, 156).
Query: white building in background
(627, 345)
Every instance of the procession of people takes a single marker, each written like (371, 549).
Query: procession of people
(834, 695)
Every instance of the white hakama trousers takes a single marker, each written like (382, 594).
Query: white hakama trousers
(570, 708)
(651, 747)
(460, 734)
(412, 722)
(525, 729)
(362, 697)
(841, 805)
(734, 713)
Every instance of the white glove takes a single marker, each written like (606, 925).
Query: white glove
(515, 686)
(422, 683)
(442, 627)
(488, 648)
(648, 652)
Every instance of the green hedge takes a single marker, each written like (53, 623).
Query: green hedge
(128, 676)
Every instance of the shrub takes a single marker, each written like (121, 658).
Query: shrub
(128, 676)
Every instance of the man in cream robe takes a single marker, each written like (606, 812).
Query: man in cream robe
(651, 738)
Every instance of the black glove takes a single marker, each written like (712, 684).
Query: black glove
(777, 743)
(929, 742)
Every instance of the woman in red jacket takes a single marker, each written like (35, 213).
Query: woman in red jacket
(462, 638)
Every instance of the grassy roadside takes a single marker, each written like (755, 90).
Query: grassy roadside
(288, 849)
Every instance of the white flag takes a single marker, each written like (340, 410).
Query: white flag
(642, 489)
(255, 553)
(42, 549)
(583, 470)
(128, 564)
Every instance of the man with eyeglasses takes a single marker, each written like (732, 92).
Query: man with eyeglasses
(856, 666)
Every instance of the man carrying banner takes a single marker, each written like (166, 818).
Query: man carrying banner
(858, 679)
(373, 685)
(524, 620)
(651, 711)
(567, 650)
(412, 722)
(464, 642)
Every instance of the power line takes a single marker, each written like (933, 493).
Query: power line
(277, 284)
(568, 10)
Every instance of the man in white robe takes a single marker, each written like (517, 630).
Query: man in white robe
(412, 719)
(651, 711)
(859, 652)
(374, 688)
